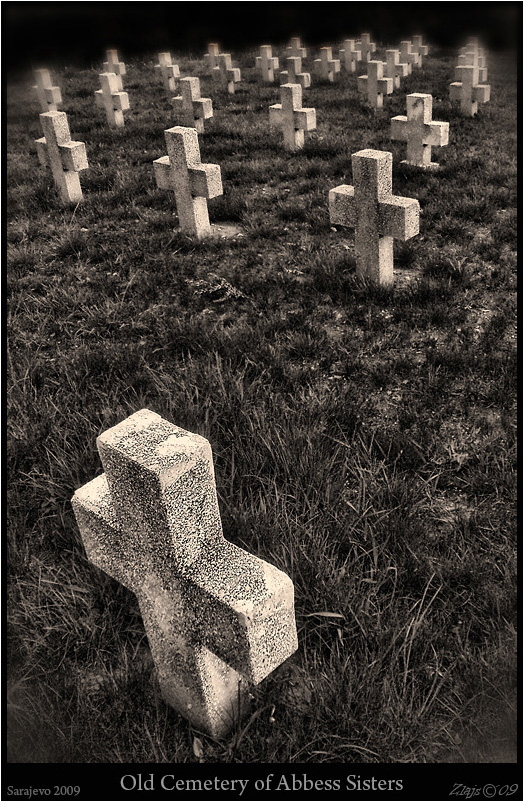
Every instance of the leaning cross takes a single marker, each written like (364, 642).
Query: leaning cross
(375, 213)
(267, 63)
(374, 85)
(366, 47)
(169, 71)
(295, 48)
(419, 131)
(218, 619)
(350, 54)
(190, 109)
(226, 73)
(291, 117)
(407, 56)
(48, 95)
(114, 65)
(193, 183)
(419, 49)
(111, 99)
(294, 74)
(211, 58)
(468, 90)
(326, 66)
(65, 157)
(394, 69)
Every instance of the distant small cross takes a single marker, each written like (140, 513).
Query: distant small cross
(49, 96)
(408, 56)
(468, 90)
(114, 65)
(394, 69)
(374, 85)
(419, 131)
(65, 157)
(473, 58)
(291, 117)
(294, 74)
(350, 54)
(295, 48)
(420, 49)
(326, 66)
(169, 71)
(366, 47)
(111, 99)
(267, 63)
(193, 183)
(190, 109)
(375, 213)
(211, 58)
(226, 73)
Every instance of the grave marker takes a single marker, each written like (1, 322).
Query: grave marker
(49, 96)
(374, 85)
(419, 131)
(294, 74)
(114, 65)
(473, 58)
(190, 109)
(218, 619)
(366, 47)
(168, 71)
(394, 69)
(226, 73)
(211, 58)
(407, 56)
(420, 49)
(350, 54)
(295, 48)
(267, 64)
(468, 91)
(291, 117)
(375, 213)
(65, 157)
(193, 183)
(326, 66)
(112, 100)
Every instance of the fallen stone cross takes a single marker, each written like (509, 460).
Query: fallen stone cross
(394, 69)
(374, 85)
(65, 157)
(190, 109)
(49, 96)
(419, 49)
(468, 90)
(419, 131)
(168, 71)
(193, 183)
(366, 47)
(295, 48)
(111, 99)
(211, 57)
(294, 74)
(408, 56)
(218, 619)
(266, 63)
(326, 66)
(225, 73)
(375, 213)
(291, 117)
(114, 65)
(350, 54)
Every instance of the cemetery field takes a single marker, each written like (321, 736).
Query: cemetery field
(364, 438)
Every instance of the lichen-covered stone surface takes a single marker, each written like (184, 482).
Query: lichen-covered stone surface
(419, 131)
(65, 157)
(218, 619)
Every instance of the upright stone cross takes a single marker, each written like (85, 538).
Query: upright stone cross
(291, 117)
(326, 66)
(111, 99)
(190, 109)
(350, 54)
(211, 57)
(295, 48)
(114, 65)
(49, 96)
(419, 131)
(420, 49)
(374, 85)
(474, 58)
(366, 47)
(375, 213)
(193, 183)
(294, 74)
(468, 90)
(65, 157)
(217, 618)
(408, 56)
(169, 71)
(266, 63)
(394, 69)
(226, 73)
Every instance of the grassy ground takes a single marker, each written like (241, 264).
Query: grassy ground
(364, 439)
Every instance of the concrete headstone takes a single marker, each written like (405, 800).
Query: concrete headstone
(168, 71)
(49, 96)
(65, 157)
(419, 131)
(190, 109)
(111, 99)
(291, 117)
(374, 85)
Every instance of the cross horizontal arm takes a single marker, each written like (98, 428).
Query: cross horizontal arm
(399, 217)
(342, 207)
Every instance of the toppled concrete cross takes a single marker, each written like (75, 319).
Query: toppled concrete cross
(408, 56)
(394, 69)
(190, 109)
(114, 65)
(326, 66)
(419, 49)
(374, 85)
(366, 47)
(218, 619)
(226, 73)
(291, 117)
(65, 157)
(419, 131)
(49, 96)
(350, 54)
(266, 63)
(294, 74)
(295, 48)
(468, 90)
(111, 99)
(169, 71)
(375, 213)
(193, 183)
(211, 58)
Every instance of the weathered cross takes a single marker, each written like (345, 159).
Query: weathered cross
(366, 47)
(65, 157)
(474, 57)
(375, 213)
(468, 90)
(419, 49)
(419, 131)
(326, 66)
(169, 71)
(267, 63)
(295, 48)
(217, 618)
(193, 183)
(190, 109)
(374, 85)
(111, 99)
(114, 65)
(407, 56)
(226, 73)
(350, 54)
(294, 74)
(291, 117)
(394, 69)
(211, 58)
(48, 95)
